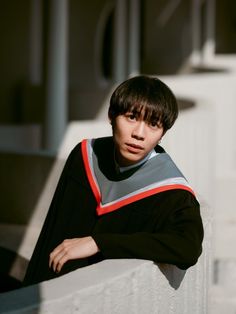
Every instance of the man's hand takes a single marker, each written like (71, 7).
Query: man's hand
(72, 249)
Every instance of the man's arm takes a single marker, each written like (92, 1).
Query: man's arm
(178, 242)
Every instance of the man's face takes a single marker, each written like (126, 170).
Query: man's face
(134, 138)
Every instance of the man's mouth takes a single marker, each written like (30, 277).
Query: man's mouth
(134, 146)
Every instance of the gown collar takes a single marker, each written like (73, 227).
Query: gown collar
(113, 191)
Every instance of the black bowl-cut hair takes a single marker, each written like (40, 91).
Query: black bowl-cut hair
(148, 96)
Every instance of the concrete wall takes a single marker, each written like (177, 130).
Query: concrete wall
(116, 286)
(22, 179)
(121, 286)
(14, 37)
(163, 51)
(225, 27)
(166, 44)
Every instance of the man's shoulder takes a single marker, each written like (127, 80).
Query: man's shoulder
(103, 146)
(103, 141)
(94, 142)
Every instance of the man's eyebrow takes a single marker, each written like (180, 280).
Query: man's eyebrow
(135, 111)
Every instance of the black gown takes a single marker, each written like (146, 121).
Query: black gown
(129, 215)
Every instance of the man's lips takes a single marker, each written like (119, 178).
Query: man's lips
(134, 146)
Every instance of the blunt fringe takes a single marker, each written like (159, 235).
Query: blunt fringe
(146, 95)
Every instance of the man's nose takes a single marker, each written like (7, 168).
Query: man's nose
(139, 130)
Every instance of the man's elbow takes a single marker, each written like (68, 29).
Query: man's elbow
(191, 258)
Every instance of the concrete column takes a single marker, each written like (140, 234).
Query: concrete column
(209, 45)
(134, 38)
(56, 80)
(196, 32)
(35, 67)
(120, 41)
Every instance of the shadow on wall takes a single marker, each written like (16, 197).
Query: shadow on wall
(12, 270)
(122, 283)
(207, 70)
(173, 274)
(25, 300)
(21, 182)
(184, 103)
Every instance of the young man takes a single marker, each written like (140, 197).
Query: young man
(122, 196)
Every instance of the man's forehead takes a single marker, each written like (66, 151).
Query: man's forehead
(144, 112)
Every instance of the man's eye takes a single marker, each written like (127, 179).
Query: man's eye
(154, 124)
(131, 117)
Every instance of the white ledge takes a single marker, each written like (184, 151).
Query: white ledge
(121, 286)
(116, 286)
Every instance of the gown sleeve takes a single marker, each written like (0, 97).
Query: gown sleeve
(178, 241)
(63, 221)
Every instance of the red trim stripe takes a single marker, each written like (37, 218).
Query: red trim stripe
(89, 173)
(101, 210)
(104, 209)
